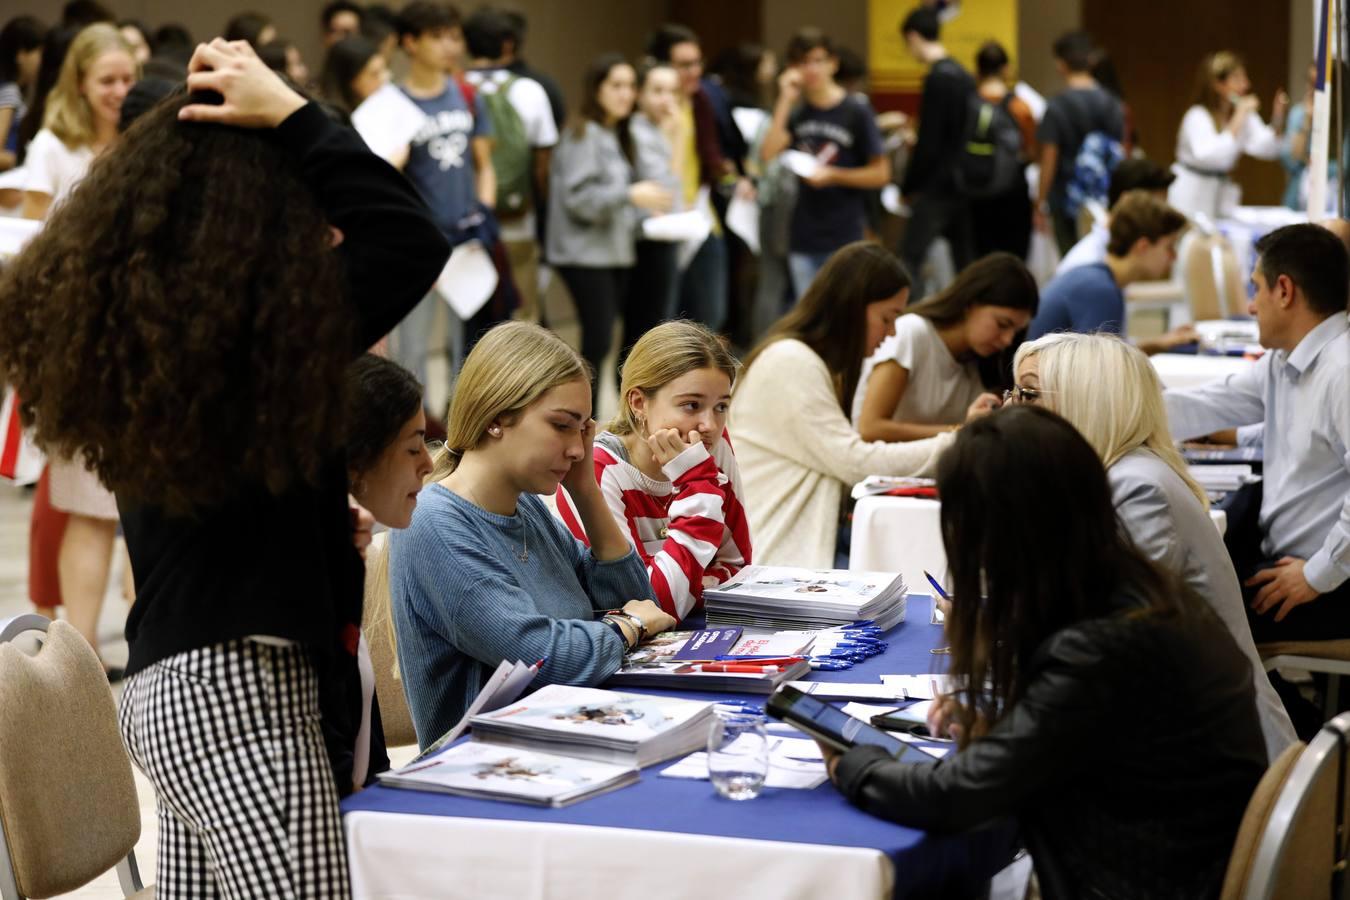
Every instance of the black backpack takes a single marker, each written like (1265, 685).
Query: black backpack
(990, 160)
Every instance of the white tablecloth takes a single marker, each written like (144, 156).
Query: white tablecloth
(1182, 370)
(904, 534)
(395, 855)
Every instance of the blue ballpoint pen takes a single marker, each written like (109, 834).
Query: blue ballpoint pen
(937, 587)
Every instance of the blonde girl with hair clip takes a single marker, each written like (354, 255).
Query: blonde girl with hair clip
(484, 572)
(666, 466)
(1108, 390)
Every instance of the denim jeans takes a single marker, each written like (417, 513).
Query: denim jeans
(703, 285)
(803, 267)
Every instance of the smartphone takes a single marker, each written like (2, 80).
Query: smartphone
(835, 728)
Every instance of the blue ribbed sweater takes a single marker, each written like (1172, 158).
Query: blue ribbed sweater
(463, 601)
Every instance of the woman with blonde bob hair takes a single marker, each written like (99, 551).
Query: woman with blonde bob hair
(666, 467)
(1108, 390)
(484, 573)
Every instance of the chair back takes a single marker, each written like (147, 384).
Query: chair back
(1301, 846)
(1254, 821)
(379, 632)
(1198, 275)
(1234, 294)
(68, 801)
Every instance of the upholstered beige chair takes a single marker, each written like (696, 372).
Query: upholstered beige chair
(68, 803)
(1289, 844)
(394, 712)
(1255, 820)
(1329, 657)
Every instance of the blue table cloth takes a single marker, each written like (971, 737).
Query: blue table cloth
(925, 865)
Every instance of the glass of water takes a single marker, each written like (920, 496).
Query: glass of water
(738, 754)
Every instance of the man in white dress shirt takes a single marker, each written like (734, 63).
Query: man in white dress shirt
(1298, 581)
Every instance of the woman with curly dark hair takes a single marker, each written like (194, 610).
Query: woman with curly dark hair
(203, 291)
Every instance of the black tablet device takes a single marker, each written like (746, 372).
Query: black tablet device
(834, 727)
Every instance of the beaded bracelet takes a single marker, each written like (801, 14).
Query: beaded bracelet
(613, 623)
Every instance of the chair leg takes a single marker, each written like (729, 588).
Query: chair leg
(129, 875)
(1331, 703)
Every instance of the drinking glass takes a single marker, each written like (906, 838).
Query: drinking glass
(738, 754)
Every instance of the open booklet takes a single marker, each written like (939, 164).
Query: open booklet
(609, 726)
(505, 773)
(503, 686)
(698, 660)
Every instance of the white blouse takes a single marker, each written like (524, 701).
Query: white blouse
(939, 388)
(52, 168)
(1201, 145)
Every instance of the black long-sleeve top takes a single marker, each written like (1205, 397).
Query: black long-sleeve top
(943, 111)
(284, 565)
(1128, 762)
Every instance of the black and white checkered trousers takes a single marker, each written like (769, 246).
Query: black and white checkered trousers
(229, 736)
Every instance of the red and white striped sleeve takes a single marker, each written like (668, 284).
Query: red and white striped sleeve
(735, 551)
(603, 460)
(694, 532)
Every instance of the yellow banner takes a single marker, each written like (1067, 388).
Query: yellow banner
(966, 26)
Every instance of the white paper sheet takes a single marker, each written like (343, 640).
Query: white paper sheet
(920, 687)
(801, 164)
(690, 225)
(387, 121)
(794, 763)
(749, 121)
(743, 220)
(15, 179)
(468, 279)
(15, 233)
(838, 690)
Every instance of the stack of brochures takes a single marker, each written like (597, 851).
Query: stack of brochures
(715, 659)
(1210, 455)
(785, 597)
(1220, 479)
(608, 726)
(504, 773)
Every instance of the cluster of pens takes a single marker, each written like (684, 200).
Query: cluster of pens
(831, 650)
(836, 649)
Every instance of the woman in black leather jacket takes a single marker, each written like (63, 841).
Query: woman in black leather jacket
(1117, 722)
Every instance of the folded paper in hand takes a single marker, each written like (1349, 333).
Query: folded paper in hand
(468, 279)
(387, 121)
(690, 225)
(801, 164)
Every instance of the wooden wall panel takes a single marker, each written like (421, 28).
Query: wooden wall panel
(1157, 46)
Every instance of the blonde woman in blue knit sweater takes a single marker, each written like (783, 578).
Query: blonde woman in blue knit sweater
(485, 572)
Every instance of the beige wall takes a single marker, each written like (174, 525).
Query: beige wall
(1300, 46)
(1039, 22)
(844, 20)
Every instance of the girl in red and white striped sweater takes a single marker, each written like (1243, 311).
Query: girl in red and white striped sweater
(666, 466)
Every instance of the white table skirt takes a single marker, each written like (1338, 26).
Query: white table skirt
(1181, 370)
(904, 534)
(396, 856)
